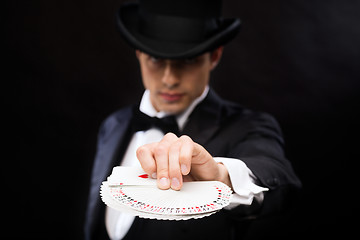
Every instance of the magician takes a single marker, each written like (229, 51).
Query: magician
(181, 130)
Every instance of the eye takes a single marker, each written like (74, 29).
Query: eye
(190, 60)
(155, 62)
(155, 59)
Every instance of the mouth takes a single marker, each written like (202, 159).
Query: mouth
(171, 97)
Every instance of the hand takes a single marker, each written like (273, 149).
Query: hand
(174, 160)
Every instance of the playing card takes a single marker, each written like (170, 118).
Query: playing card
(109, 201)
(130, 190)
(130, 176)
(193, 198)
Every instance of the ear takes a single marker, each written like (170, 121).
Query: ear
(215, 56)
(137, 53)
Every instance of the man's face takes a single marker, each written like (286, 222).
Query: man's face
(175, 84)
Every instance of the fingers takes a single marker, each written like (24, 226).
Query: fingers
(185, 154)
(180, 154)
(167, 160)
(174, 166)
(146, 158)
(161, 155)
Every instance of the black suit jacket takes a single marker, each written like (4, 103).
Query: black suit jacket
(225, 129)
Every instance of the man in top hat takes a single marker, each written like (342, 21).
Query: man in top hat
(182, 131)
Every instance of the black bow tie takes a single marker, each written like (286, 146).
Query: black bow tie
(142, 122)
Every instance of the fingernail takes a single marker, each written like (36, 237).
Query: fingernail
(183, 169)
(175, 184)
(164, 182)
(154, 175)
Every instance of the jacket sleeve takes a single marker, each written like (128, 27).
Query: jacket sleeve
(261, 148)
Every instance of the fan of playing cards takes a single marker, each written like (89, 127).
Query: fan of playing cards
(130, 190)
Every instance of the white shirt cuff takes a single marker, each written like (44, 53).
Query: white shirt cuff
(242, 180)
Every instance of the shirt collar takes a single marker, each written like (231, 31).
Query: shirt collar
(147, 108)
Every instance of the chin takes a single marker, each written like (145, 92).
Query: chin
(173, 109)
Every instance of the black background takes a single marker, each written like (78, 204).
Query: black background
(66, 68)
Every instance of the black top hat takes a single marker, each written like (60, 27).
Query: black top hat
(175, 28)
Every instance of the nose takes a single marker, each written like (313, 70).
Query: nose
(170, 78)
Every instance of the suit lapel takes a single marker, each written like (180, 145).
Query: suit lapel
(111, 147)
(111, 144)
(205, 120)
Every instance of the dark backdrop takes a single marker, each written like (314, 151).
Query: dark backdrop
(66, 68)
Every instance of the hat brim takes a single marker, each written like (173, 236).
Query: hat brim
(127, 22)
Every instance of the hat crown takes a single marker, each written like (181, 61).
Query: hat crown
(178, 20)
(182, 8)
(175, 28)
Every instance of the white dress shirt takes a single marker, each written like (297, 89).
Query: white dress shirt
(242, 179)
